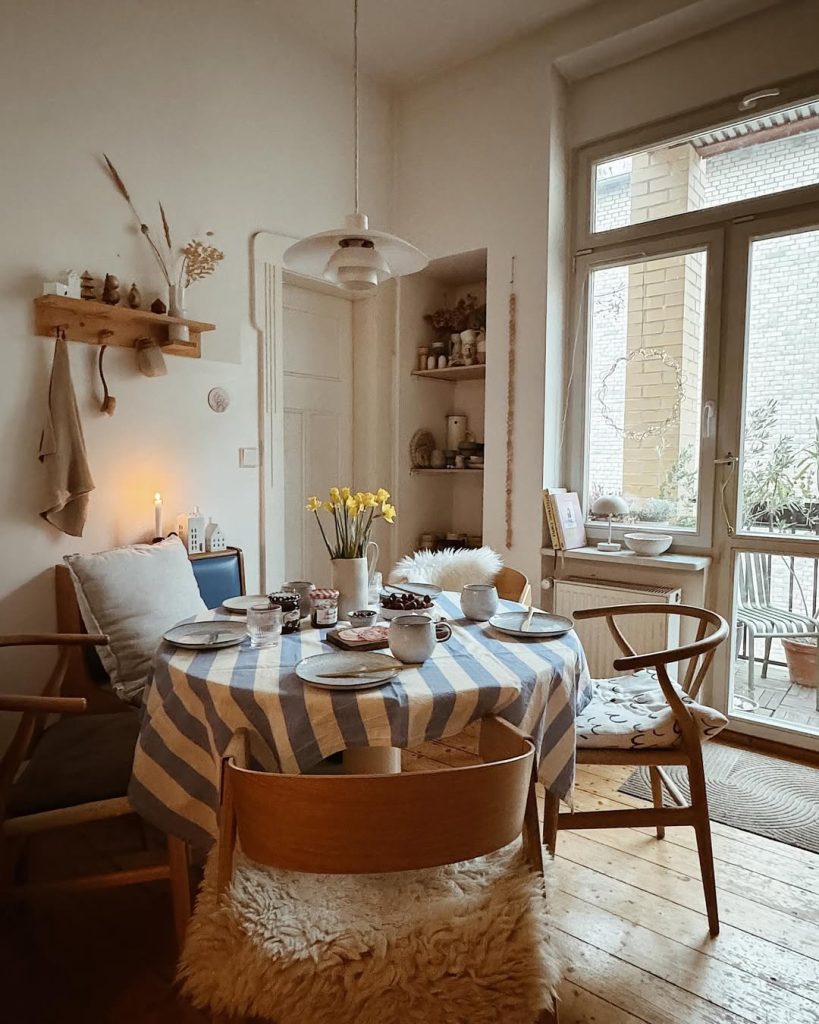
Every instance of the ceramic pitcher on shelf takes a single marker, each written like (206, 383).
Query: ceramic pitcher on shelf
(351, 578)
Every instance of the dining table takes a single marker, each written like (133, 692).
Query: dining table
(200, 699)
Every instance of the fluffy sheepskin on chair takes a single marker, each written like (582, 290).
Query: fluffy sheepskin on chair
(449, 569)
(467, 943)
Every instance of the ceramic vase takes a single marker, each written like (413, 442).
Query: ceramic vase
(351, 578)
(177, 308)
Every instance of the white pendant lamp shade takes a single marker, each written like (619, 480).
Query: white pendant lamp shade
(354, 257)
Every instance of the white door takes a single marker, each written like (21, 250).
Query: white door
(318, 418)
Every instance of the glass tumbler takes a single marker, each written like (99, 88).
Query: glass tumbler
(264, 624)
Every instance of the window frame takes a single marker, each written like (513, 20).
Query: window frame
(705, 228)
(577, 450)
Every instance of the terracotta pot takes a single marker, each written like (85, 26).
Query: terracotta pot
(801, 658)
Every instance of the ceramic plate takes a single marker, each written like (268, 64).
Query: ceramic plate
(317, 669)
(242, 603)
(206, 636)
(424, 589)
(543, 624)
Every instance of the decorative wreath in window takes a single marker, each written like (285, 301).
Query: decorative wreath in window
(653, 429)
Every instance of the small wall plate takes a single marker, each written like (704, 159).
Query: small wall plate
(218, 399)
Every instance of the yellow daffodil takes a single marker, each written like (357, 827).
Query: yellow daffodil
(368, 500)
(345, 493)
(328, 506)
(352, 506)
(313, 504)
(335, 495)
(381, 495)
(388, 512)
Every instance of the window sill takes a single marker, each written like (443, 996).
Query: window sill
(680, 563)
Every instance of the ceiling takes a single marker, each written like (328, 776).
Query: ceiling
(403, 41)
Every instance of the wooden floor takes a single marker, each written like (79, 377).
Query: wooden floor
(629, 909)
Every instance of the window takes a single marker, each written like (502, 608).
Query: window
(644, 399)
(763, 155)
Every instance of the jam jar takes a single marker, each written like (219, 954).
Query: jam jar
(291, 616)
(324, 608)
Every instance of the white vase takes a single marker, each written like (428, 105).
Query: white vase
(351, 578)
(177, 308)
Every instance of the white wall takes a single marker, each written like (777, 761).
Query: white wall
(473, 171)
(237, 127)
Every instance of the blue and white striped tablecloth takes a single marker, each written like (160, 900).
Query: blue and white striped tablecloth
(200, 699)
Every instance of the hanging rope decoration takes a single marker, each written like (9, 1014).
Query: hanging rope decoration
(510, 402)
(653, 429)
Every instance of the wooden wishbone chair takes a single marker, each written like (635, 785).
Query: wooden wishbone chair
(360, 824)
(513, 585)
(694, 660)
(19, 823)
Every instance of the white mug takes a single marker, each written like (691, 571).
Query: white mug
(413, 637)
(479, 601)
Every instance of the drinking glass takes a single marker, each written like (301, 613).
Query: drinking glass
(264, 624)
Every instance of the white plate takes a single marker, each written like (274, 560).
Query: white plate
(315, 670)
(245, 601)
(543, 625)
(206, 636)
(424, 589)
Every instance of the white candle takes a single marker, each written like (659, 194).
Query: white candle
(157, 514)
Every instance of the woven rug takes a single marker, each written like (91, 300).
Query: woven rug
(752, 792)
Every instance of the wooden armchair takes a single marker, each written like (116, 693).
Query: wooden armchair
(513, 585)
(603, 736)
(76, 771)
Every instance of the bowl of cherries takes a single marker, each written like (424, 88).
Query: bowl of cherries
(404, 603)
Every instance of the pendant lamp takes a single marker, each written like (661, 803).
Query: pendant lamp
(355, 257)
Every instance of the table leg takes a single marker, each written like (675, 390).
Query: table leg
(372, 761)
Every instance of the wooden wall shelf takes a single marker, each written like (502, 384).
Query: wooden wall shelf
(86, 321)
(454, 373)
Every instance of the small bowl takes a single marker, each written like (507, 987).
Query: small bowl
(648, 544)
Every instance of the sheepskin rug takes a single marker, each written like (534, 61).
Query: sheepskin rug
(467, 943)
(448, 569)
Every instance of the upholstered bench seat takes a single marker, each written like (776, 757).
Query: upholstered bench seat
(78, 760)
(630, 712)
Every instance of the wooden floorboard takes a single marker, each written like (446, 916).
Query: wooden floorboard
(628, 908)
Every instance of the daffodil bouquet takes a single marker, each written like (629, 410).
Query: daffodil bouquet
(353, 518)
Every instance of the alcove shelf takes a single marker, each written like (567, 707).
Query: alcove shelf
(454, 373)
(89, 322)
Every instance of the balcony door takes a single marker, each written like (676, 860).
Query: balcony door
(766, 516)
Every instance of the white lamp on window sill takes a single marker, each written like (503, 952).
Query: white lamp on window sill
(609, 505)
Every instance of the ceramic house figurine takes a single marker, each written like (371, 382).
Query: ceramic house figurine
(71, 280)
(214, 537)
(191, 529)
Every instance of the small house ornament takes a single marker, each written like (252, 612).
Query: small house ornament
(214, 537)
(191, 529)
(71, 280)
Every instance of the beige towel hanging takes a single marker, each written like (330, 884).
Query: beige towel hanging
(62, 450)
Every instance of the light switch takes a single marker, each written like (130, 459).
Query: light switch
(248, 457)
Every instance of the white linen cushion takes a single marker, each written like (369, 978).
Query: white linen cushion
(630, 712)
(134, 595)
(448, 569)
(468, 943)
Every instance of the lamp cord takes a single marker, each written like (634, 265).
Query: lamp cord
(355, 96)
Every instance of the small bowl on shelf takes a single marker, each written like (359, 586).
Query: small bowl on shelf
(648, 544)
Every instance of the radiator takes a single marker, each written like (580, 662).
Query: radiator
(644, 633)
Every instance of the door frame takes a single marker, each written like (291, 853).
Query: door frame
(728, 542)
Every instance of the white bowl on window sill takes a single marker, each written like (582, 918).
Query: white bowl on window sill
(648, 544)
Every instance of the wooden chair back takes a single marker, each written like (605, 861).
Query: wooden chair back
(33, 710)
(357, 824)
(513, 585)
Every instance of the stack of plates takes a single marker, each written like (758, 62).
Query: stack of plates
(206, 636)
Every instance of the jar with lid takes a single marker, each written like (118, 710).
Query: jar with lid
(289, 604)
(324, 608)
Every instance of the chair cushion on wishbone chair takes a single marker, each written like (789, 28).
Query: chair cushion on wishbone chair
(78, 760)
(630, 712)
(469, 942)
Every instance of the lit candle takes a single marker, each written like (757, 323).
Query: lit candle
(157, 514)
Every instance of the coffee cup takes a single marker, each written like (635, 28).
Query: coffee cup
(412, 638)
(479, 601)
